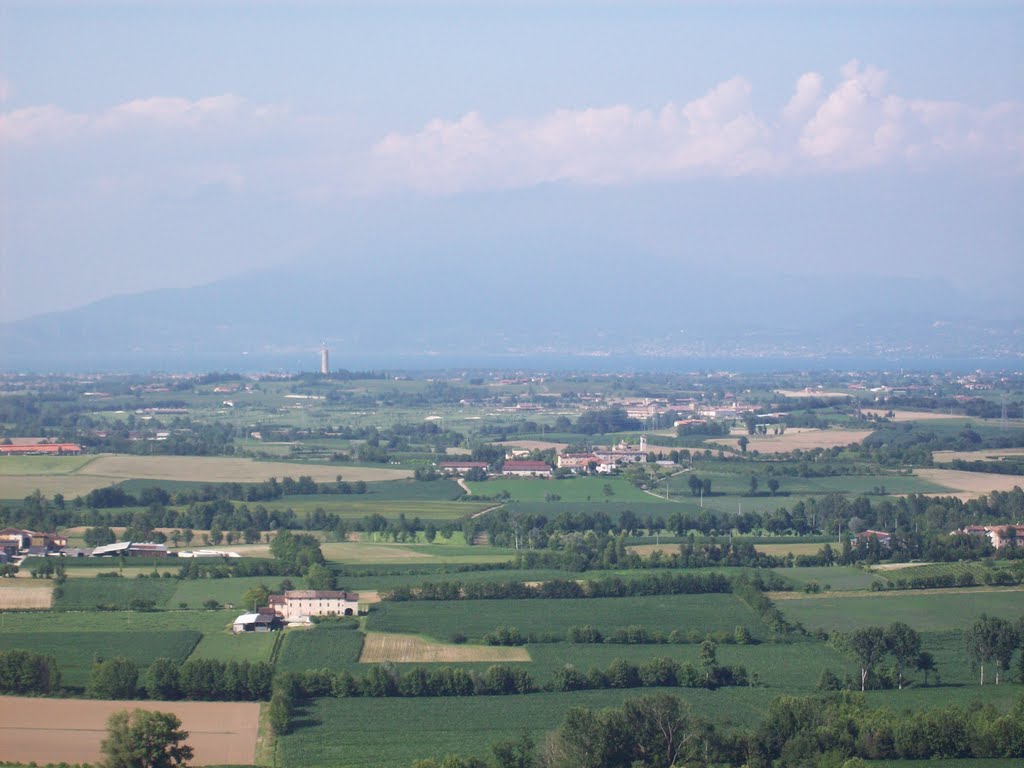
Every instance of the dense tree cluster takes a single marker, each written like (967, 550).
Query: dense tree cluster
(27, 672)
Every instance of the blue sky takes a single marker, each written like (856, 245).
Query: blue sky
(145, 145)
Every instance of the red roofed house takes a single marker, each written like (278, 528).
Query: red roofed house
(37, 449)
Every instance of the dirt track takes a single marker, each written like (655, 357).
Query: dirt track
(70, 730)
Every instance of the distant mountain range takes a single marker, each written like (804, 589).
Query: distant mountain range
(518, 300)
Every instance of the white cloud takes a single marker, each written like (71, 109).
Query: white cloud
(855, 125)
(39, 124)
(852, 124)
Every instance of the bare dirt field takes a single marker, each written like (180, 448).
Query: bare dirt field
(970, 482)
(70, 730)
(385, 646)
(993, 454)
(791, 441)
(18, 597)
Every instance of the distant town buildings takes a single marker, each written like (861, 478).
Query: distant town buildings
(999, 536)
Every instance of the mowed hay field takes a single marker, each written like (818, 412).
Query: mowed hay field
(791, 441)
(781, 550)
(970, 482)
(993, 454)
(70, 730)
(383, 646)
(80, 474)
(205, 469)
(25, 598)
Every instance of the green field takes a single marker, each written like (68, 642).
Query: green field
(574, 489)
(76, 651)
(392, 733)
(42, 465)
(475, 618)
(195, 592)
(329, 644)
(932, 612)
(839, 578)
(118, 593)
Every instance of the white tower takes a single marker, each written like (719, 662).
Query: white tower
(325, 361)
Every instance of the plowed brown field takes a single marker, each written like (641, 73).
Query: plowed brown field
(70, 730)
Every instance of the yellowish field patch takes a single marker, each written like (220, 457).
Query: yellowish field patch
(217, 469)
(993, 454)
(386, 646)
(351, 552)
(970, 482)
(912, 415)
(810, 393)
(70, 730)
(20, 486)
(781, 550)
(791, 440)
(530, 445)
(17, 597)
(646, 550)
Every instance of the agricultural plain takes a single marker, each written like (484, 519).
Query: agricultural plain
(70, 730)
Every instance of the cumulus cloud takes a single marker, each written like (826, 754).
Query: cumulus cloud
(857, 124)
(49, 123)
(851, 123)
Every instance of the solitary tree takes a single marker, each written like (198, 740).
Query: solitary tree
(904, 644)
(985, 640)
(773, 485)
(743, 442)
(868, 645)
(925, 663)
(143, 739)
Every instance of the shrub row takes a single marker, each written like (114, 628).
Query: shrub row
(614, 586)
(636, 634)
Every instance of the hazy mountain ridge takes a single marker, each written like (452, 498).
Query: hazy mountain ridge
(450, 304)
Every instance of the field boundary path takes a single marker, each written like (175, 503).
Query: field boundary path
(483, 512)
(890, 592)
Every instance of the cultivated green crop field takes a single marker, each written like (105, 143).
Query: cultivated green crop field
(574, 489)
(931, 612)
(75, 652)
(475, 618)
(87, 594)
(840, 578)
(329, 644)
(371, 733)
